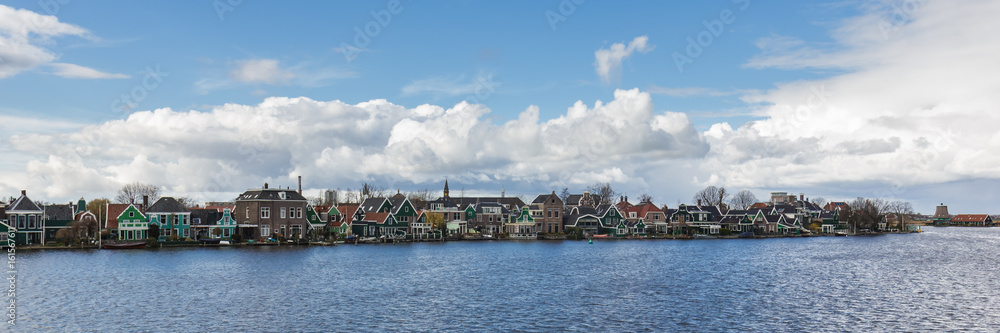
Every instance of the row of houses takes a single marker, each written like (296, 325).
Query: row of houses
(275, 213)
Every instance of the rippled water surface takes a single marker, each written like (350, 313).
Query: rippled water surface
(944, 279)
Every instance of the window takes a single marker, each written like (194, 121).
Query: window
(185, 220)
(225, 232)
(21, 220)
(298, 213)
(131, 214)
(265, 212)
(631, 215)
(265, 230)
(457, 216)
(248, 213)
(282, 212)
(187, 232)
(283, 230)
(31, 222)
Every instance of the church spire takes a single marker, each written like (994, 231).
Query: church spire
(446, 188)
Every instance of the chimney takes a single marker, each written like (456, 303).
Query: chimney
(300, 184)
(145, 202)
(699, 202)
(802, 196)
(265, 186)
(24, 193)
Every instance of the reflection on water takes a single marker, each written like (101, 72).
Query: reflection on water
(944, 279)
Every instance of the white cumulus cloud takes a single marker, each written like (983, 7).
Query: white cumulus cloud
(608, 62)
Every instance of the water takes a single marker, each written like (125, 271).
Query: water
(944, 279)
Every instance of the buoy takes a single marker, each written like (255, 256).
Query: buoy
(591, 241)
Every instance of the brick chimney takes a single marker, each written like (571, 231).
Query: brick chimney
(300, 184)
(699, 202)
(145, 202)
(265, 186)
(24, 193)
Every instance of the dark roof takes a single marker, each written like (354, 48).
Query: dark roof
(166, 205)
(270, 194)
(372, 205)
(205, 216)
(584, 210)
(479, 207)
(59, 212)
(397, 203)
(23, 204)
(574, 199)
(513, 202)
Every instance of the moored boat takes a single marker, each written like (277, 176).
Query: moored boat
(704, 236)
(120, 246)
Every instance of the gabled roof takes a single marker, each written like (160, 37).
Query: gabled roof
(479, 207)
(23, 204)
(167, 205)
(758, 205)
(372, 205)
(835, 205)
(115, 210)
(59, 212)
(379, 218)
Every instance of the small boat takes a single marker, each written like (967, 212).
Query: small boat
(209, 240)
(120, 246)
(747, 234)
(840, 234)
(704, 236)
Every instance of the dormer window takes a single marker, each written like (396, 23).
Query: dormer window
(283, 195)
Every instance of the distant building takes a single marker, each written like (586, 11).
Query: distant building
(267, 212)
(941, 216)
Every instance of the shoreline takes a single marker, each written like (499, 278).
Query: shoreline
(338, 243)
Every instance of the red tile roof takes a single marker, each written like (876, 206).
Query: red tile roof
(377, 217)
(969, 218)
(111, 221)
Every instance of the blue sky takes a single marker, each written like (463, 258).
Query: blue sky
(758, 107)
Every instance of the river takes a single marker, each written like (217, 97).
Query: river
(944, 279)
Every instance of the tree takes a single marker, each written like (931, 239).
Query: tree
(420, 198)
(64, 236)
(604, 193)
(712, 196)
(820, 201)
(184, 201)
(153, 232)
(743, 200)
(645, 198)
(436, 220)
(217, 232)
(99, 207)
(902, 210)
(133, 193)
(866, 213)
(371, 190)
(84, 229)
(564, 196)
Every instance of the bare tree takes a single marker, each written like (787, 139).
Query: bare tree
(866, 213)
(420, 198)
(712, 196)
(645, 198)
(743, 200)
(820, 201)
(185, 201)
(902, 210)
(564, 196)
(133, 193)
(371, 190)
(604, 192)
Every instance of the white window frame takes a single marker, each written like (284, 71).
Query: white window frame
(265, 212)
(283, 212)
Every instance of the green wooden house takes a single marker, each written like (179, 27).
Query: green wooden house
(27, 218)
(132, 224)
